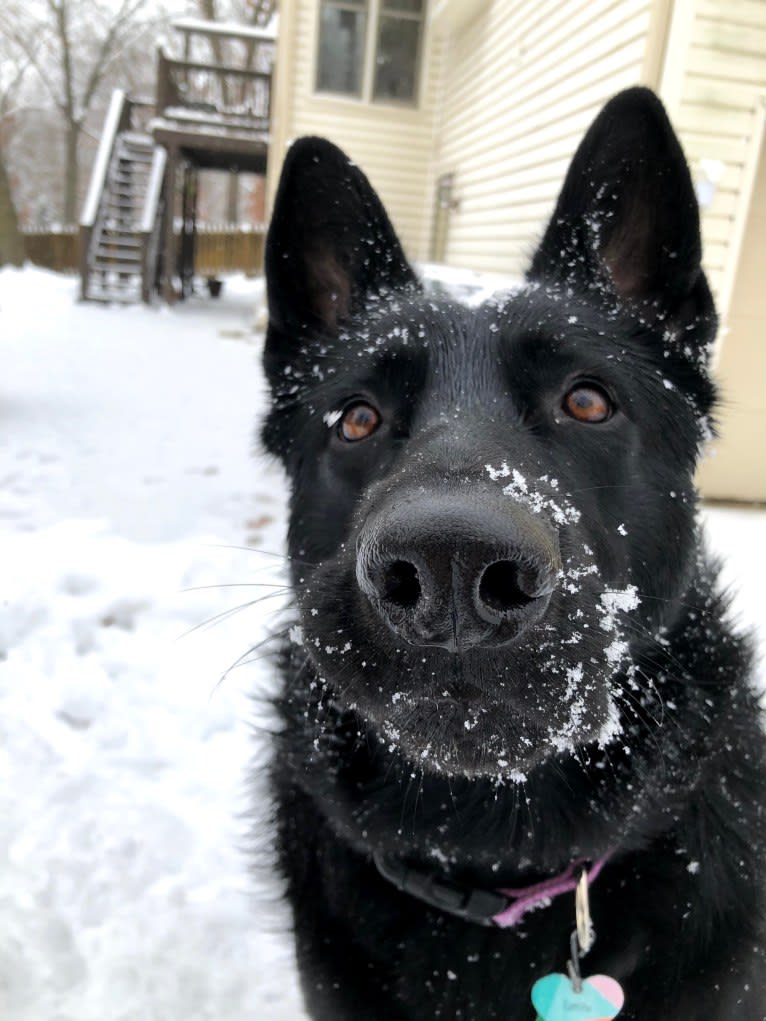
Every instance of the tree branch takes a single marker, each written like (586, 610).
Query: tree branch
(31, 53)
(124, 16)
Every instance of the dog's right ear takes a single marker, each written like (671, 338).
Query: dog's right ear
(330, 248)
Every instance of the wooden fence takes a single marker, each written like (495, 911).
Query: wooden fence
(218, 250)
(57, 250)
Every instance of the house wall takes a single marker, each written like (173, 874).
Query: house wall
(392, 143)
(714, 79)
(737, 468)
(507, 93)
(717, 102)
(522, 82)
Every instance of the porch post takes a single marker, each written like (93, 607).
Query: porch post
(169, 240)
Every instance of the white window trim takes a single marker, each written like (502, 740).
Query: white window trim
(368, 68)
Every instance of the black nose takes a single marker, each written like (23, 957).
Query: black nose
(448, 571)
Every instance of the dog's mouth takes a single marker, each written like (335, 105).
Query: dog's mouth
(455, 737)
(476, 735)
(454, 716)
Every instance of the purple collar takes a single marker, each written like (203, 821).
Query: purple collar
(541, 894)
(502, 908)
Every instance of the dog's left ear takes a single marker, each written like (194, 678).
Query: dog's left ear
(330, 247)
(627, 218)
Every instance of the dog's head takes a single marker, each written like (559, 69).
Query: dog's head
(492, 508)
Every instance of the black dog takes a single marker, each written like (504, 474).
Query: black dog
(511, 662)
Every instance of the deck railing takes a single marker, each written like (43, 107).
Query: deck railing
(210, 91)
(117, 119)
(123, 114)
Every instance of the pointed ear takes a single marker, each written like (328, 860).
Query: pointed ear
(627, 218)
(330, 246)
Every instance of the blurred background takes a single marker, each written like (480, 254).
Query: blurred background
(140, 142)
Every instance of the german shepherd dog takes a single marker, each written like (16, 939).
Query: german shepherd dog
(510, 667)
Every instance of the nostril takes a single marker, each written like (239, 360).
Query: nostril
(501, 587)
(400, 583)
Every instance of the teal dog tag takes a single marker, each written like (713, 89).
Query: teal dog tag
(554, 998)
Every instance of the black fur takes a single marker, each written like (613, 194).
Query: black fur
(469, 725)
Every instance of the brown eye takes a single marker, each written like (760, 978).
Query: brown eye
(358, 422)
(588, 403)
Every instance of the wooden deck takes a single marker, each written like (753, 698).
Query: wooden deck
(213, 110)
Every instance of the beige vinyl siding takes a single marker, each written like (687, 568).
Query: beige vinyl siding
(720, 116)
(737, 469)
(392, 143)
(724, 74)
(522, 83)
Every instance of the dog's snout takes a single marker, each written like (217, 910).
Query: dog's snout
(453, 574)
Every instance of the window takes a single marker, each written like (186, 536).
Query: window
(342, 31)
(370, 48)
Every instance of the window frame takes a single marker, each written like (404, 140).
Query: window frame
(375, 10)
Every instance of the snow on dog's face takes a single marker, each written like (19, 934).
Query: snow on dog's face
(480, 497)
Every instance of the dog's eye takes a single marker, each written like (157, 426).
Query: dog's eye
(358, 422)
(588, 403)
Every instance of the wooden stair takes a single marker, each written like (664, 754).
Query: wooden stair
(114, 255)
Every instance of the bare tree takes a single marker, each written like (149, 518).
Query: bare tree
(11, 239)
(72, 45)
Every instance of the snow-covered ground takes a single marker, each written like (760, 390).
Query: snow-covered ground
(129, 505)
(131, 516)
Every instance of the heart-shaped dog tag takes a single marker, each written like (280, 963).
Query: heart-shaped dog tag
(554, 998)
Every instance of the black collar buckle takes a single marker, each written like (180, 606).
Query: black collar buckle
(466, 902)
